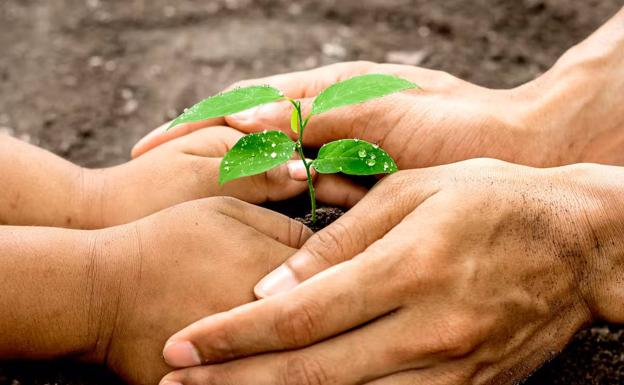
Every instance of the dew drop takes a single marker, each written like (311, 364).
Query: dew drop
(273, 145)
(373, 156)
(273, 155)
(370, 162)
(376, 145)
(386, 166)
(362, 153)
(226, 168)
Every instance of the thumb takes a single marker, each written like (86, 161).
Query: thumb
(161, 135)
(366, 222)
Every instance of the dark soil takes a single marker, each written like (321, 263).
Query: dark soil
(86, 78)
(324, 217)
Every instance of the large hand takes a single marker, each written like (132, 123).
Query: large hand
(472, 273)
(187, 168)
(570, 114)
(174, 267)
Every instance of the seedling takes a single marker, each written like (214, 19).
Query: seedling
(257, 153)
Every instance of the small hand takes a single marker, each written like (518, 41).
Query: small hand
(176, 266)
(472, 273)
(187, 168)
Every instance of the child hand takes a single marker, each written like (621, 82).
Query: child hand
(186, 169)
(184, 263)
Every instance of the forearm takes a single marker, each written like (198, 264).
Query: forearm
(40, 188)
(56, 296)
(579, 100)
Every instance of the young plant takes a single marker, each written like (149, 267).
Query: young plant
(260, 152)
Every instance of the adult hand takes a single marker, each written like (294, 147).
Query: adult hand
(172, 268)
(472, 273)
(570, 114)
(187, 168)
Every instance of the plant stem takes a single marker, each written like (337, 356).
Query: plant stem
(307, 165)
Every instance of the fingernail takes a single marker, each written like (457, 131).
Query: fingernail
(169, 382)
(280, 280)
(245, 115)
(181, 354)
(296, 170)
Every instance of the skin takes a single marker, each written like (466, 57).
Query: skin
(488, 270)
(471, 273)
(113, 296)
(42, 189)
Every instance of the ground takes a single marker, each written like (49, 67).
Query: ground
(87, 78)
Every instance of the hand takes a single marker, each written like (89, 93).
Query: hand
(472, 273)
(570, 114)
(172, 268)
(188, 168)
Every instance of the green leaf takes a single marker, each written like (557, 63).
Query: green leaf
(353, 157)
(229, 103)
(294, 121)
(254, 154)
(359, 89)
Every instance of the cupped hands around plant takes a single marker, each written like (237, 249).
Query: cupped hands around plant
(260, 152)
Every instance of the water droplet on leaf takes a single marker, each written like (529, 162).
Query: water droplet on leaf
(362, 153)
(273, 155)
(370, 162)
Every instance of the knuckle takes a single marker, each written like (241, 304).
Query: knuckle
(297, 324)
(458, 336)
(220, 347)
(299, 370)
(298, 232)
(225, 205)
(329, 244)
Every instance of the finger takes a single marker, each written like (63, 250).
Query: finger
(449, 373)
(212, 143)
(306, 84)
(369, 220)
(161, 135)
(283, 229)
(336, 190)
(335, 301)
(372, 351)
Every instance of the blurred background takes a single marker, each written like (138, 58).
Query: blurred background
(87, 78)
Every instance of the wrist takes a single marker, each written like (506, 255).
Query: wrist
(575, 107)
(599, 191)
(115, 264)
(108, 197)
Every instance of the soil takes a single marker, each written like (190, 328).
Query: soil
(87, 78)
